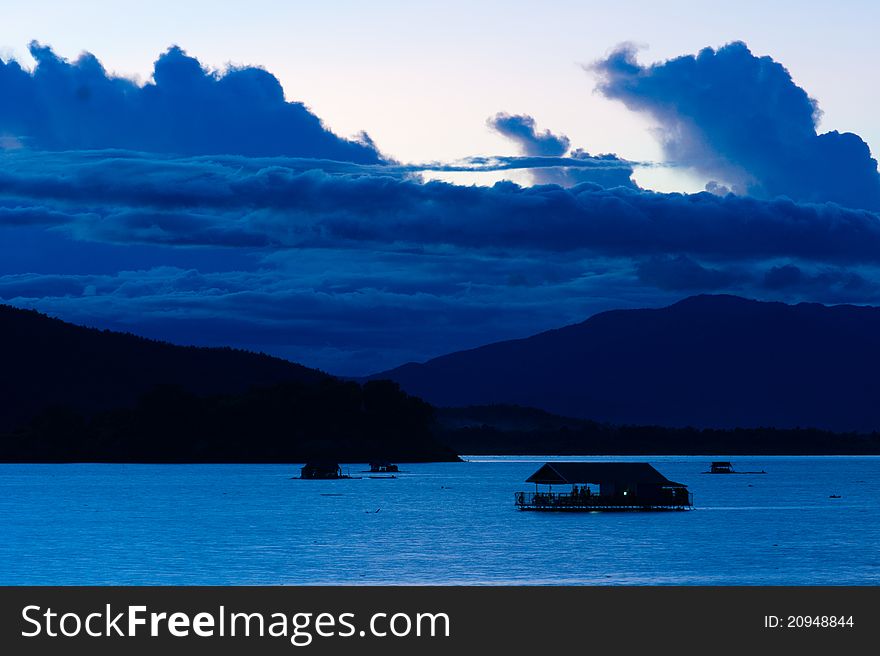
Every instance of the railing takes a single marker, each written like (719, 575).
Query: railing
(560, 501)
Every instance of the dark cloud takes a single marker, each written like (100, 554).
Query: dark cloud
(782, 277)
(191, 202)
(743, 122)
(681, 273)
(342, 268)
(824, 283)
(184, 109)
(349, 312)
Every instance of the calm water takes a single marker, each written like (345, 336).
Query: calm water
(436, 524)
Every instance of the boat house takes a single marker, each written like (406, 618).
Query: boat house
(724, 467)
(593, 486)
(321, 470)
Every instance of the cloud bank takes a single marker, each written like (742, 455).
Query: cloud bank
(245, 222)
(184, 109)
(343, 268)
(742, 121)
(232, 202)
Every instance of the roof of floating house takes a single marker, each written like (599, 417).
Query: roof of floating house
(636, 473)
(322, 465)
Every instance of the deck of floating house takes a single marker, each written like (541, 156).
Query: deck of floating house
(598, 486)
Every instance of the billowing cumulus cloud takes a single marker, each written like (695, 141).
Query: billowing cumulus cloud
(741, 121)
(183, 109)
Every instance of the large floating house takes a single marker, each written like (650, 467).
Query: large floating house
(592, 486)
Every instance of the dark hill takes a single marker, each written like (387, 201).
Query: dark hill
(514, 430)
(289, 422)
(709, 361)
(47, 362)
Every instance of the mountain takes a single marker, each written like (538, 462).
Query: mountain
(706, 361)
(329, 420)
(48, 362)
(74, 394)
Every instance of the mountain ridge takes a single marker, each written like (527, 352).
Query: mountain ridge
(49, 362)
(717, 361)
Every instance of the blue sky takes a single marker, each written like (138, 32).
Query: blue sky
(205, 207)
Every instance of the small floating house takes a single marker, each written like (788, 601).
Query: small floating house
(322, 471)
(382, 467)
(592, 486)
(724, 467)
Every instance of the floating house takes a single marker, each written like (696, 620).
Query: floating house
(724, 467)
(322, 471)
(383, 468)
(593, 486)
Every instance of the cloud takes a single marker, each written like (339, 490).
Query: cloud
(522, 129)
(342, 268)
(348, 312)
(741, 121)
(234, 203)
(577, 159)
(547, 150)
(616, 172)
(681, 273)
(184, 109)
(301, 244)
(824, 282)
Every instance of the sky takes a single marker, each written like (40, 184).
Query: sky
(422, 77)
(315, 200)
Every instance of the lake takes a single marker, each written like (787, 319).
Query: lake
(439, 523)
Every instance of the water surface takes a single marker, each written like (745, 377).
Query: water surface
(435, 524)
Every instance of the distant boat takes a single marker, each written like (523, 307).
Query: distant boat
(322, 471)
(724, 467)
(603, 486)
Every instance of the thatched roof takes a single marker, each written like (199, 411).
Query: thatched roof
(631, 473)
